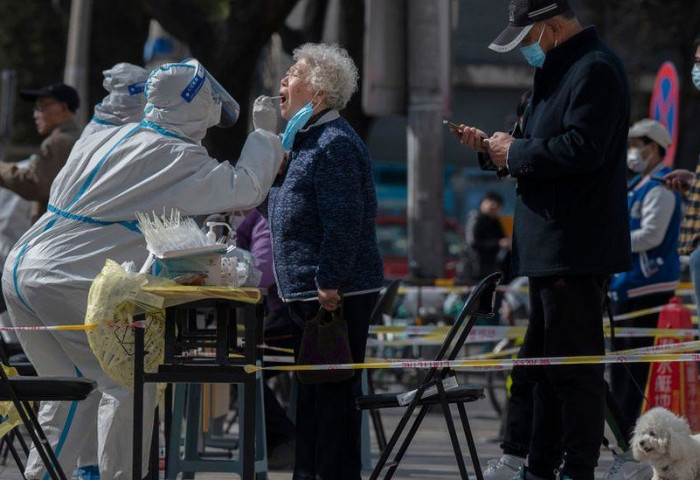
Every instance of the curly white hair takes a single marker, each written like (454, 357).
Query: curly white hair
(331, 71)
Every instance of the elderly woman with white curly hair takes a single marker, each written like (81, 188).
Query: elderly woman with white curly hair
(322, 211)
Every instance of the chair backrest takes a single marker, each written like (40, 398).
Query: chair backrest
(385, 303)
(480, 303)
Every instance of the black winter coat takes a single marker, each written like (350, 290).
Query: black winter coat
(571, 207)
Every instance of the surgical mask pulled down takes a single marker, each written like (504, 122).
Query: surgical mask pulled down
(636, 161)
(296, 123)
(534, 55)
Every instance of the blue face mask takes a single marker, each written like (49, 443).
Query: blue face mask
(534, 54)
(295, 124)
(696, 76)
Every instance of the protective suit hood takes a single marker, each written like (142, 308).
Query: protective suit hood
(184, 100)
(124, 104)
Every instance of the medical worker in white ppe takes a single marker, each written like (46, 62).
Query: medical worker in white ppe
(148, 166)
(124, 103)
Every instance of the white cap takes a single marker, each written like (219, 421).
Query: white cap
(653, 130)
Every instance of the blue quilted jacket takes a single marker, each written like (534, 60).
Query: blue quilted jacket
(322, 213)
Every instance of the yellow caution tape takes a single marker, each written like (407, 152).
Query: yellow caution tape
(493, 364)
(435, 335)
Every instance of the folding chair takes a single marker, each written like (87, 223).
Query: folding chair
(9, 352)
(384, 306)
(21, 391)
(479, 304)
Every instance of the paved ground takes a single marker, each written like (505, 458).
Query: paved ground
(429, 458)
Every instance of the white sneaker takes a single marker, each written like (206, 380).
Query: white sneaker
(625, 467)
(504, 468)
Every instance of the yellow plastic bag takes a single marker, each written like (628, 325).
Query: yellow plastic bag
(9, 416)
(115, 297)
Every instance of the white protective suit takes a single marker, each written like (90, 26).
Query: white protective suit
(150, 166)
(124, 104)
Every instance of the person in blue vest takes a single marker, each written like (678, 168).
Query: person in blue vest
(655, 216)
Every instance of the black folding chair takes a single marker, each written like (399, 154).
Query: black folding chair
(479, 304)
(12, 354)
(384, 306)
(21, 391)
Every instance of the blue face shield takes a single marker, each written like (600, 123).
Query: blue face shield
(534, 55)
(295, 124)
(229, 108)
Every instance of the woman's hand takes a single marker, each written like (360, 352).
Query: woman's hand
(329, 299)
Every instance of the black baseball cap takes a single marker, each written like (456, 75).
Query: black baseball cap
(59, 91)
(522, 16)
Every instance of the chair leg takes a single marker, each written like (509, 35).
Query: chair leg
(48, 456)
(13, 451)
(22, 442)
(26, 414)
(470, 441)
(394, 439)
(376, 416)
(4, 449)
(453, 433)
(406, 442)
(38, 439)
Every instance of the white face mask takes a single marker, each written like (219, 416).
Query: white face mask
(635, 161)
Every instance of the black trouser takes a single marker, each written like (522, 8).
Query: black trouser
(279, 331)
(518, 428)
(569, 401)
(328, 421)
(628, 381)
(516, 440)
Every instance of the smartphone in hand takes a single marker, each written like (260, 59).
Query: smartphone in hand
(456, 129)
(665, 181)
(451, 126)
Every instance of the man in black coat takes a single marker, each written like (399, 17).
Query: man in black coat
(571, 227)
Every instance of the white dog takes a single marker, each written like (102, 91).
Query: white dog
(664, 440)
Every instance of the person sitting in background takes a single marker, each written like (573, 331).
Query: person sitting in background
(487, 243)
(655, 216)
(125, 100)
(54, 110)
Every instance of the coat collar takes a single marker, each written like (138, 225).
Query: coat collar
(65, 127)
(559, 59)
(329, 116)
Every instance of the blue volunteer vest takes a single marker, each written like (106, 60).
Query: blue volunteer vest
(656, 270)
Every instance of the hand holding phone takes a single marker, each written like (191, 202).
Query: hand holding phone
(472, 137)
(675, 184)
(452, 126)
